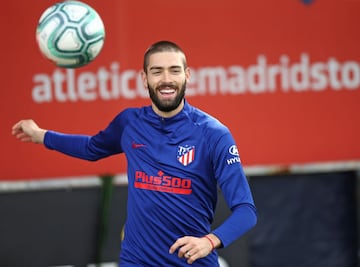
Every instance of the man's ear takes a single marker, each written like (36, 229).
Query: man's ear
(187, 74)
(144, 79)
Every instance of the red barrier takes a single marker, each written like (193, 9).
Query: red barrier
(284, 77)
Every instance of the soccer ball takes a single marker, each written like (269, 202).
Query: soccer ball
(71, 34)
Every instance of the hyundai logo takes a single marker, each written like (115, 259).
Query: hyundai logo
(233, 150)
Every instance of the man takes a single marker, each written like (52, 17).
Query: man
(177, 156)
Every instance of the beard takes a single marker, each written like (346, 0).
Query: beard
(167, 105)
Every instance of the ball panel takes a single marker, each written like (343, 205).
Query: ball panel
(44, 36)
(75, 12)
(94, 27)
(69, 41)
(95, 49)
(47, 12)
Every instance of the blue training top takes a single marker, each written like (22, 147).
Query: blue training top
(174, 167)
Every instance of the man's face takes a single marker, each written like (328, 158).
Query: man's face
(166, 80)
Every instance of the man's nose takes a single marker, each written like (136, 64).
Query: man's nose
(166, 77)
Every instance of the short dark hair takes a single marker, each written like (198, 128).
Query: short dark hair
(162, 46)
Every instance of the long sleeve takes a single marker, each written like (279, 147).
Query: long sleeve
(103, 144)
(242, 219)
(236, 190)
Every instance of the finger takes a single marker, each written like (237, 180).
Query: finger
(15, 132)
(191, 260)
(17, 125)
(195, 255)
(26, 139)
(185, 252)
(191, 257)
(23, 137)
(174, 247)
(179, 243)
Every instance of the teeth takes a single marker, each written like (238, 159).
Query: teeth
(167, 91)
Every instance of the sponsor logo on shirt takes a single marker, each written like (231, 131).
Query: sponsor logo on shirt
(163, 183)
(186, 154)
(233, 151)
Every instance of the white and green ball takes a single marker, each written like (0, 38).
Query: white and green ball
(71, 34)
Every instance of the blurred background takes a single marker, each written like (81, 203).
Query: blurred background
(284, 76)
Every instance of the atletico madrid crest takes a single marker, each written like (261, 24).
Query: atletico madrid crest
(186, 154)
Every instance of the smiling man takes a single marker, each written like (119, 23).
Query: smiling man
(177, 158)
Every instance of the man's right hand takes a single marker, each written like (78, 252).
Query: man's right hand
(28, 131)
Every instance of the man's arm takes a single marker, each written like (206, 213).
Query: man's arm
(236, 191)
(86, 147)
